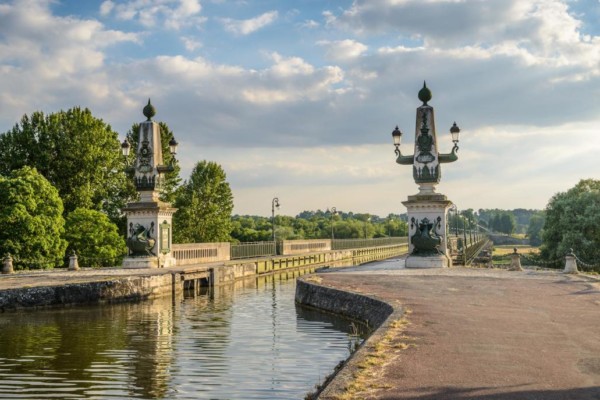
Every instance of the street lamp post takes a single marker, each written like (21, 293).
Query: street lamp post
(274, 204)
(366, 222)
(333, 214)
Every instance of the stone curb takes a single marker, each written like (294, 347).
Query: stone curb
(372, 311)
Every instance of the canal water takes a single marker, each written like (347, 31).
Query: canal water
(248, 341)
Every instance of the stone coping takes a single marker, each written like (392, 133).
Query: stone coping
(374, 312)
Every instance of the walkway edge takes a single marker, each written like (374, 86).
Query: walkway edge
(375, 313)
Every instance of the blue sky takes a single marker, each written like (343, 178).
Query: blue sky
(297, 99)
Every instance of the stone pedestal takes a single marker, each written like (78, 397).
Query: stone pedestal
(73, 262)
(7, 265)
(432, 207)
(570, 264)
(515, 262)
(152, 219)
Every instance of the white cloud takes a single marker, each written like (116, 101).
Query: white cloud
(538, 31)
(191, 43)
(310, 24)
(106, 7)
(171, 14)
(248, 26)
(343, 50)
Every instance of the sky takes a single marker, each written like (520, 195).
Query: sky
(297, 99)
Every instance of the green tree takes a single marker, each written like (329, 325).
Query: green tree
(31, 219)
(573, 221)
(94, 238)
(172, 179)
(507, 223)
(78, 153)
(205, 204)
(395, 227)
(535, 228)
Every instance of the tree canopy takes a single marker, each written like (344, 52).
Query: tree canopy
(31, 219)
(94, 238)
(205, 204)
(535, 228)
(77, 152)
(573, 221)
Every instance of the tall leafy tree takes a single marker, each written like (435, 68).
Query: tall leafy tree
(535, 229)
(31, 219)
(172, 179)
(573, 221)
(94, 238)
(205, 204)
(77, 152)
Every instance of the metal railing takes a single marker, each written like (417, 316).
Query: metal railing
(252, 250)
(343, 244)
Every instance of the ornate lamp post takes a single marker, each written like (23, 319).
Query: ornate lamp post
(427, 210)
(454, 210)
(274, 204)
(149, 220)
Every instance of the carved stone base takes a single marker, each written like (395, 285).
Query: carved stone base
(140, 262)
(434, 207)
(162, 261)
(439, 261)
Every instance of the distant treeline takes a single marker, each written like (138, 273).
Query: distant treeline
(318, 225)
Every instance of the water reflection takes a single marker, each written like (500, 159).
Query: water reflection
(243, 341)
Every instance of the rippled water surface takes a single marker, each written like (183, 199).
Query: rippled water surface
(244, 342)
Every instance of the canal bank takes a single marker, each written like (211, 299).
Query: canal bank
(465, 333)
(112, 285)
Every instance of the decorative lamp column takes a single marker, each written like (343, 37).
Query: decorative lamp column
(427, 210)
(149, 220)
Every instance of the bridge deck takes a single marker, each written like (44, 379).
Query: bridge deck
(480, 334)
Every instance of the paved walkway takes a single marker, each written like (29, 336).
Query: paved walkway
(484, 334)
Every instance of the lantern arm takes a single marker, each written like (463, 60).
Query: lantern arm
(165, 168)
(404, 160)
(448, 158)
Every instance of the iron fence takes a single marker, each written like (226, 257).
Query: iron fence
(253, 249)
(343, 244)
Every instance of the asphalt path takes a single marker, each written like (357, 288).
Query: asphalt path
(484, 333)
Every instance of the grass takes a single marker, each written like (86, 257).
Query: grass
(509, 249)
(500, 254)
(313, 278)
(366, 377)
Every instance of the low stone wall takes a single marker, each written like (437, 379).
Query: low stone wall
(369, 310)
(376, 313)
(290, 247)
(197, 253)
(135, 288)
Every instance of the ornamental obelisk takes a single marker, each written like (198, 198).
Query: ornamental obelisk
(149, 220)
(427, 210)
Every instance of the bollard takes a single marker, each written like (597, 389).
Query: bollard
(7, 264)
(73, 264)
(570, 263)
(515, 261)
